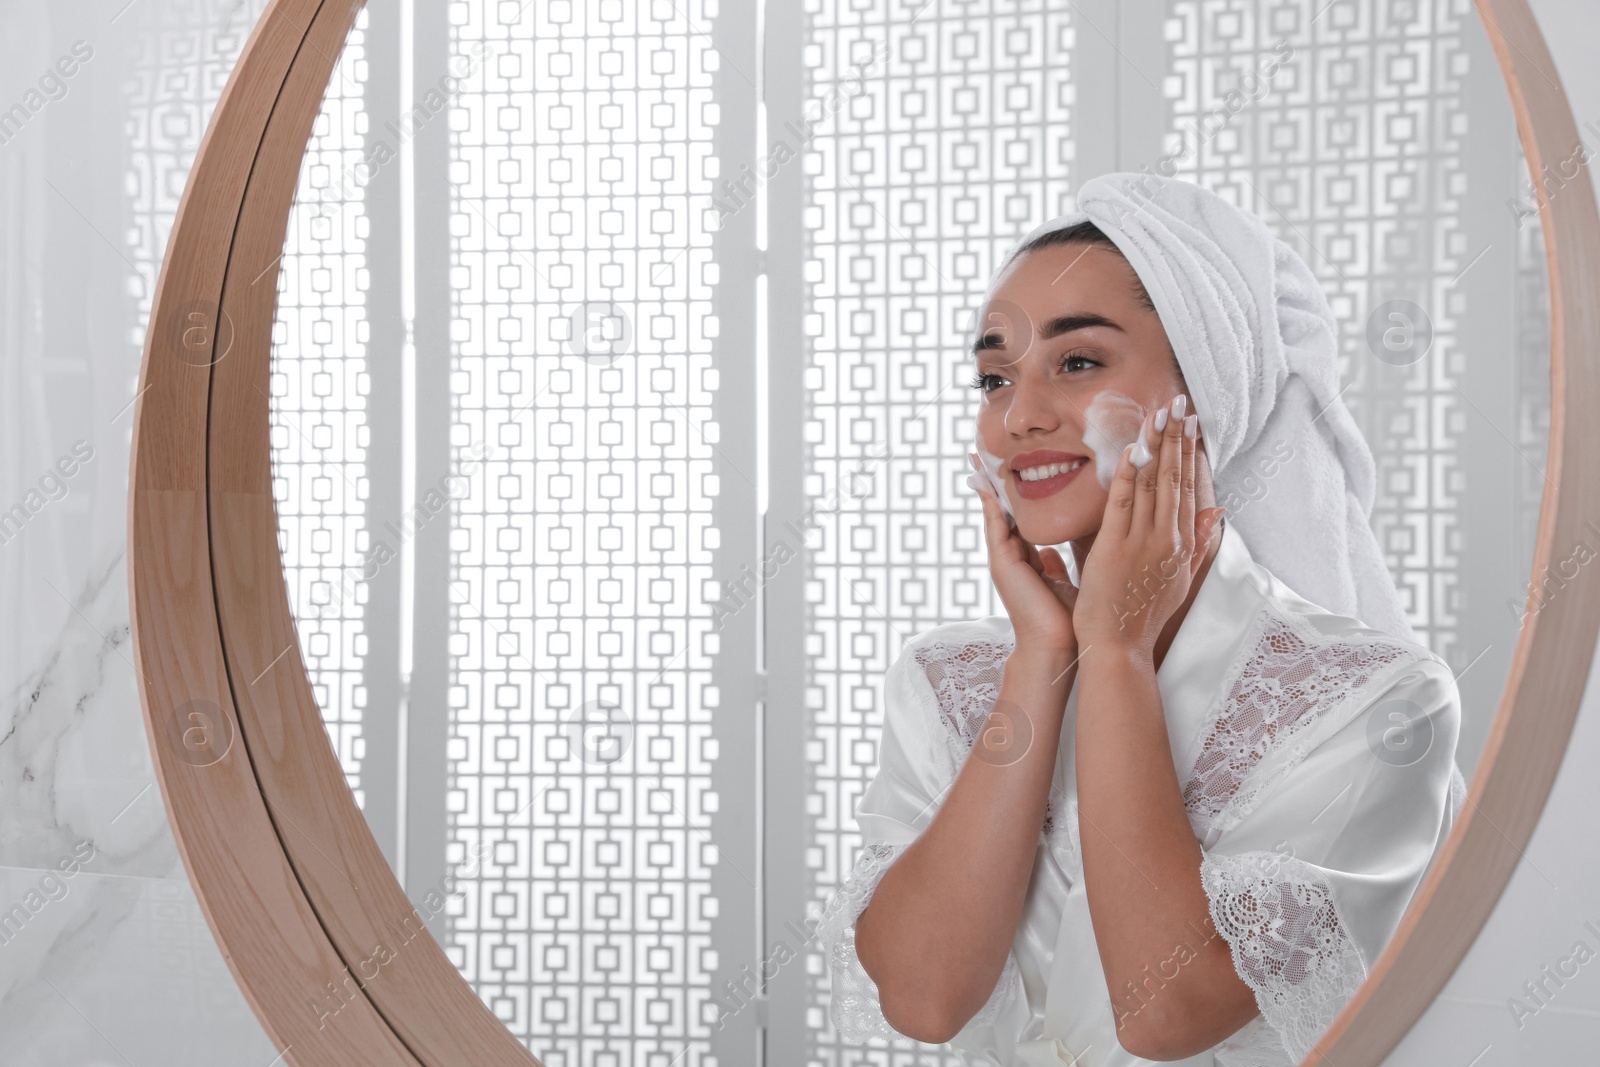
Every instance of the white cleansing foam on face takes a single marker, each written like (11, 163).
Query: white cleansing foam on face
(991, 472)
(1113, 423)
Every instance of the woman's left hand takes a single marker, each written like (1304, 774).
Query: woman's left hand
(1150, 543)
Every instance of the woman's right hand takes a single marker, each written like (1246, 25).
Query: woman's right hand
(1034, 586)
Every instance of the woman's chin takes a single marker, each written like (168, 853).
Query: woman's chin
(1068, 514)
(1039, 526)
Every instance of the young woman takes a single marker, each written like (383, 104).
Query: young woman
(1172, 803)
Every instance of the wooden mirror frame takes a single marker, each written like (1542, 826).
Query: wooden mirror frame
(331, 955)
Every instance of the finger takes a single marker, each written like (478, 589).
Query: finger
(999, 530)
(1169, 479)
(1186, 500)
(1055, 570)
(986, 499)
(1145, 482)
(1118, 516)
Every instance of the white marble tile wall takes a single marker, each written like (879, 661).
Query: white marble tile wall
(105, 957)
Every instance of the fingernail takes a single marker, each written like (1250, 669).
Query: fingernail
(1161, 420)
(1179, 402)
(972, 481)
(1189, 425)
(1141, 454)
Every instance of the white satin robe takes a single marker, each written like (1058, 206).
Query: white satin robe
(1318, 762)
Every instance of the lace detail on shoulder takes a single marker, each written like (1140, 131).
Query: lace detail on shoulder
(853, 1004)
(966, 679)
(1277, 687)
(1288, 943)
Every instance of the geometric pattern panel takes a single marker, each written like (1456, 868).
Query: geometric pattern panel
(1341, 126)
(318, 407)
(187, 49)
(941, 136)
(1532, 355)
(581, 536)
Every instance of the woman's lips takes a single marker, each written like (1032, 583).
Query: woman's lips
(1045, 486)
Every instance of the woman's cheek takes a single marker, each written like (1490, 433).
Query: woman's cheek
(1113, 421)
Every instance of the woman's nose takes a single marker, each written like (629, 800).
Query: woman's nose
(1036, 406)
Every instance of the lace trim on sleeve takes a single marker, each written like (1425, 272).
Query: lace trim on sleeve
(1288, 943)
(966, 680)
(1281, 684)
(853, 1005)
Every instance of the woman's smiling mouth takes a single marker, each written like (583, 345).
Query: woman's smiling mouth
(1045, 471)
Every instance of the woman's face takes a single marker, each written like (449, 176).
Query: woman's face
(1068, 362)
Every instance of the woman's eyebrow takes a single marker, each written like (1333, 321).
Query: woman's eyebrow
(1067, 323)
(1054, 328)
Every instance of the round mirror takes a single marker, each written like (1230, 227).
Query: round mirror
(607, 425)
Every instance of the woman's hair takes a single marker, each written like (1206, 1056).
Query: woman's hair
(1087, 232)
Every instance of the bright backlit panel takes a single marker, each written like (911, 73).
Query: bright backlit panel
(582, 282)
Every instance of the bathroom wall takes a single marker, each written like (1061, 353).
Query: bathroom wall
(105, 957)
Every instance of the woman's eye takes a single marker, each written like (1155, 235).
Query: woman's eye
(1069, 362)
(1072, 361)
(1071, 358)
